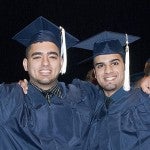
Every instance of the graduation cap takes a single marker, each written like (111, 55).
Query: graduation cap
(137, 76)
(108, 42)
(41, 30)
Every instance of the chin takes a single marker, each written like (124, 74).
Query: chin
(110, 87)
(44, 82)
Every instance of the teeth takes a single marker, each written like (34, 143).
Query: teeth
(45, 71)
(109, 78)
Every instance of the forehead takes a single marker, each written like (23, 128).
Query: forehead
(107, 58)
(43, 47)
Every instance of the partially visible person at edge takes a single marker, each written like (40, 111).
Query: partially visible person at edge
(51, 115)
(90, 77)
(126, 123)
(138, 77)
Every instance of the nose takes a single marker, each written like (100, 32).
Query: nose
(108, 69)
(45, 61)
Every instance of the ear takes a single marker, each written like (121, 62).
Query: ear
(25, 64)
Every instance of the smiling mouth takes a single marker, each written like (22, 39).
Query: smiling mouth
(45, 72)
(109, 78)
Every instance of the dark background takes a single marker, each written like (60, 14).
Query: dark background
(81, 18)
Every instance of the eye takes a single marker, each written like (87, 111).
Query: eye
(53, 56)
(115, 63)
(99, 66)
(36, 57)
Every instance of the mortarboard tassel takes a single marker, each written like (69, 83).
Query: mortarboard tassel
(126, 85)
(63, 51)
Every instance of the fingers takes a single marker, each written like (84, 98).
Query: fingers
(24, 85)
(145, 84)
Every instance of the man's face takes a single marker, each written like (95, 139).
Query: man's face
(109, 72)
(43, 64)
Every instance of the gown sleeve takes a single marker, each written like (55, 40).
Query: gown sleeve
(10, 100)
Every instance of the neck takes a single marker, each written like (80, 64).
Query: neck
(109, 93)
(44, 87)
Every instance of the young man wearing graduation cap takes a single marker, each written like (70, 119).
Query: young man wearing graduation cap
(51, 115)
(126, 124)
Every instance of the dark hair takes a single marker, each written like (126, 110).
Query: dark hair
(147, 69)
(27, 51)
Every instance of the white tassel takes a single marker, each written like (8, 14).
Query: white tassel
(126, 85)
(63, 51)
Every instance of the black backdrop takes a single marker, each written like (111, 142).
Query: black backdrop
(82, 18)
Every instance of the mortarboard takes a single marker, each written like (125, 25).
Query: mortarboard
(42, 29)
(136, 76)
(108, 42)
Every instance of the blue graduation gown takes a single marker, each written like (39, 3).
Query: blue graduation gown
(125, 126)
(29, 122)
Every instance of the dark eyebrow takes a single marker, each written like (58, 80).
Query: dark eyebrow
(115, 60)
(36, 53)
(53, 53)
(98, 64)
(40, 53)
